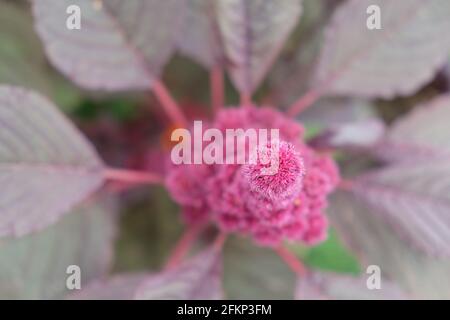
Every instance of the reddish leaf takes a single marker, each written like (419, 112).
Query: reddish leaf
(121, 44)
(377, 243)
(46, 165)
(254, 272)
(415, 199)
(35, 266)
(394, 60)
(200, 38)
(198, 278)
(253, 34)
(357, 135)
(119, 287)
(329, 286)
(424, 134)
(290, 77)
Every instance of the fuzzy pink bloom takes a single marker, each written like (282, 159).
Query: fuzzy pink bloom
(285, 181)
(287, 205)
(192, 215)
(317, 182)
(184, 182)
(268, 237)
(329, 167)
(316, 231)
(226, 197)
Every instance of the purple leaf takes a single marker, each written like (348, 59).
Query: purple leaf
(23, 62)
(339, 111)
(394, 60)
(271, 279)
(35, 266)
(119, 287)
(344, 123)
(290, 77)
(200, 37)
(46, 165)
(20, 51)
(198, 278)
(376, 243)
(253, 34)
(415, 199)
(329, 286)
(121, 44)
(357, 135)
(422, 134)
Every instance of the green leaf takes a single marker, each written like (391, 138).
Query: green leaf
(332, 256)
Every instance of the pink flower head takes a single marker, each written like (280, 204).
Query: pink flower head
(279, 178)
(184, 182)
(317, 182)
(271, 208)
(316, 231)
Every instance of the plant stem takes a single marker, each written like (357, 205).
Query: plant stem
(131, 176)
(346, 185)
(217, 88)
(170, 106)
(304, 102)
(292, 261)
(246, 99)
(183, 245)
(220, 240)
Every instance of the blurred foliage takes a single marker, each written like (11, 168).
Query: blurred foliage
(23, 62)
(150, 224)
(390, 110)
(34, 266)
(252, 272)
(150, 227)
(120, 109)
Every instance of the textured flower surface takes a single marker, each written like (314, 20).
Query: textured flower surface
(285, 205)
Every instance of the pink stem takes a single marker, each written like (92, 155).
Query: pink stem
(217, 88)
(183, 245)
(168, 103)
(304, 102)
(292, 261)
(220, 240)
(246, 99)
(130, 176)
(346, 185)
